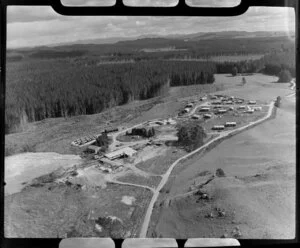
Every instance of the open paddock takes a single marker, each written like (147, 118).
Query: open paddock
(54, 210)
(160, 164)
(150, 181)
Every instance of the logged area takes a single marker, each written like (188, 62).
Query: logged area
(182, 137)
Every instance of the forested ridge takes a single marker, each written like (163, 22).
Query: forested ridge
(64, 81)
(40, 89)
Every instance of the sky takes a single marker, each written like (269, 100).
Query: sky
(41, 25)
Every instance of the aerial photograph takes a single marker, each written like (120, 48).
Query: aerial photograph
(150, 126)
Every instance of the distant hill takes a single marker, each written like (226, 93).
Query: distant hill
(170, 39)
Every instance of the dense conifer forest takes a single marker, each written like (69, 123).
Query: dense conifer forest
(56, 88)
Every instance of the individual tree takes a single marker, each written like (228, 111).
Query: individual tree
(102, 141)
(234, 71)
(284, 76)
(244, 81)
(278, 102)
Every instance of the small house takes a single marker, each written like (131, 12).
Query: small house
(230, 124)
(204, 109)
(249, 111)
(218, 127)
(222, 111)
(241, 107)
(207, 116)
(196, 117)
(189, 105)
(186, 110)
(252, 102)
(216, 103)
(257, 108)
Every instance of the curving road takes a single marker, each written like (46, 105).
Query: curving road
(165, 177)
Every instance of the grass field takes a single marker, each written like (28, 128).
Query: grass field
(151, 181)
(53, 210)
(258, 191)
(160, 164)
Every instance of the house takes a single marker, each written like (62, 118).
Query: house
(213, 97)
(229, 102)
(218, 127)
(196, 117)
(204, 109)
(222, 111)
(189, 105)
(186, 110)
(241, 107)
(230, 124)
(216, 102)
(93, 149)
(203, 98)
(257, 108)
(249, 111)
(123, 152)
(252, 102)
(207, 116)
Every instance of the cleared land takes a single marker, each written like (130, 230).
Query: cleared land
(85, 216)
(56, 210)
(150, 181)
(160, 164)
(258, 192)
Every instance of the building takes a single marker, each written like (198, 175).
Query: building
(93, 149)
(189, 105)
(249, 111)
(229, 102)
(218, 127)
(123, 152)
(241, 107)
(207, 116)
(217, 102)
(186, 110)
(257, 108)
(213, 97)
(196, 117)
(230, 124)
(222, 111)
(252, 102)
(204, 109)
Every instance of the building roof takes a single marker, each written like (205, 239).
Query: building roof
(123, 151)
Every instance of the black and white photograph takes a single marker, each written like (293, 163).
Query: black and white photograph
(171, 127)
